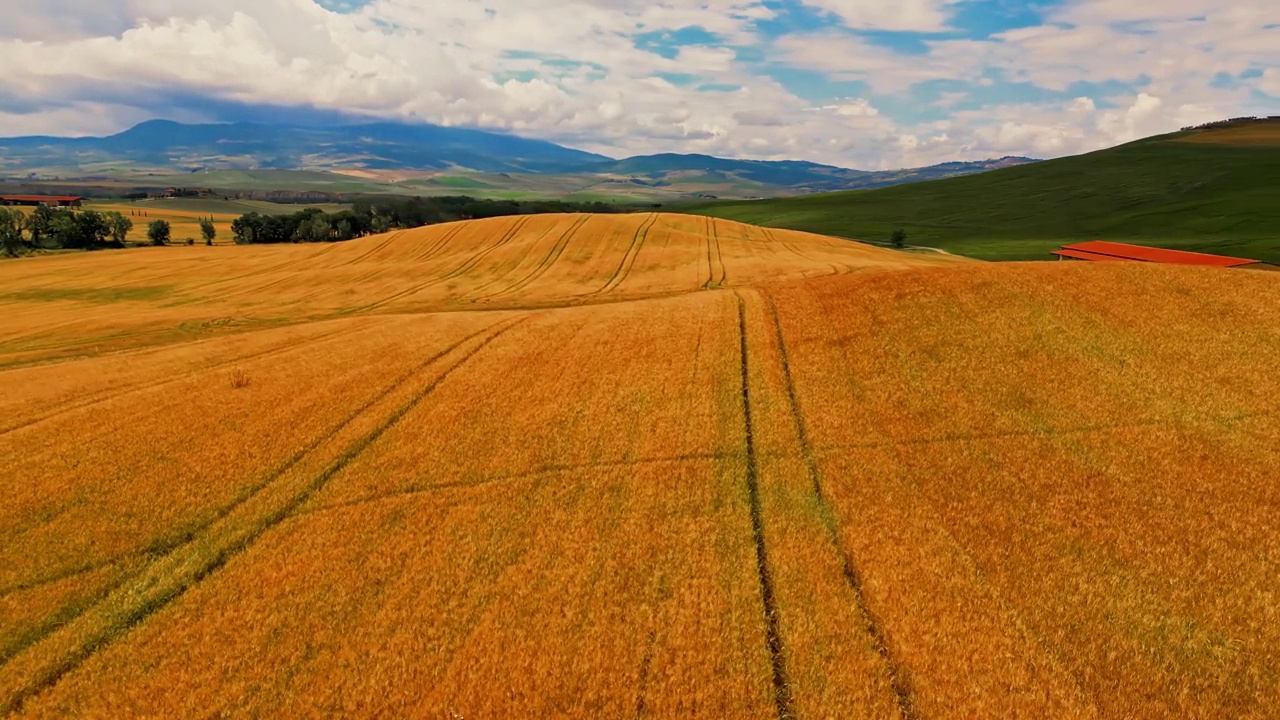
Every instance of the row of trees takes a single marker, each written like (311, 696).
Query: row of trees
(310, 225)
(66, 228)
(376, 216)
(49, 228)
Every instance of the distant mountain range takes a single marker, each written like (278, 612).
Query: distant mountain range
(464, 159)
(161, 144)
(803, 176)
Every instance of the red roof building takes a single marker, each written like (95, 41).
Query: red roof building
(1102, 251)
(51, 200)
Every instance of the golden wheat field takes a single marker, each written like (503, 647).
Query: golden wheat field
(635, 466)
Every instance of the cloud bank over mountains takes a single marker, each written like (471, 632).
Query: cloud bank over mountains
(871, 84)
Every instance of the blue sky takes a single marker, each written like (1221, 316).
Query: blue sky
(855, 82)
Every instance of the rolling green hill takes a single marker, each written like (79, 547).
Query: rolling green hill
(1212, 191)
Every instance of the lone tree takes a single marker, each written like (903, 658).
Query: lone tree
(120, 227)
(899, 238)
(12, 223)
(208, 230)
(158, 232)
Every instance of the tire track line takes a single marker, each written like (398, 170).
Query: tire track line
(646, 665)
(629, 259)
(280, 470)
(296, 263)
(412, 490)
(390, 239)
(503, 275)
(715, 238)
(469, 265)
(711, 269)
(795, 249)
(464, 267)
(171, 576)
(547, 263)
(773, 635)
(853, 577)
(112, 393)
(323, 289)
(439, 246)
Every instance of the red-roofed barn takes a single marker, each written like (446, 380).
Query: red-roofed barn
(1103, 251)
(37, 200)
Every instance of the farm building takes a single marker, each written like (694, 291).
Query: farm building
(1103, 251)
(37, 200)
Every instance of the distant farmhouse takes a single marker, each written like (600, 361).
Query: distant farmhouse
(1103, 251)
(38, 200)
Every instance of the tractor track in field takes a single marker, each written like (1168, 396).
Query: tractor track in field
(773, 634)
(439, 246)
(412, 490)
(499, 277)
(264, 271)
(547, 263)
(795, 249)
(507, 237)
(629, 259)
(172, 575)
(467, 265)
(322, 290)
(646, 664)
(299, 263)
(191, 533)
(711, 268)
(714, 250)
(853, 577)
(112, 393)
(372, 251)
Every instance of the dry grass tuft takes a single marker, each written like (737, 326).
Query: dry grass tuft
(238, 378)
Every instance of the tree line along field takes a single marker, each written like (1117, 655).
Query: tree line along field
(636, 466)
(184, 215)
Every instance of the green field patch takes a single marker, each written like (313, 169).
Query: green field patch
(1160, 191)
(464, 183)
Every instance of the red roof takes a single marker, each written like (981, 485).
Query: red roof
(41, 198)
(1103, 250)
(1077, 255)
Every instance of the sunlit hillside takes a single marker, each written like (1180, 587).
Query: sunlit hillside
(631, 466)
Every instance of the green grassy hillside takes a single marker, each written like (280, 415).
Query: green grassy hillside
(1197, 191)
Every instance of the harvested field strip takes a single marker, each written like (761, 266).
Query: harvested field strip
(629, 259)
(777, 653)
(852, 576)
(42, 665)
(556, 251)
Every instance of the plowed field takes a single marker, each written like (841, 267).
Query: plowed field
(641, 466)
